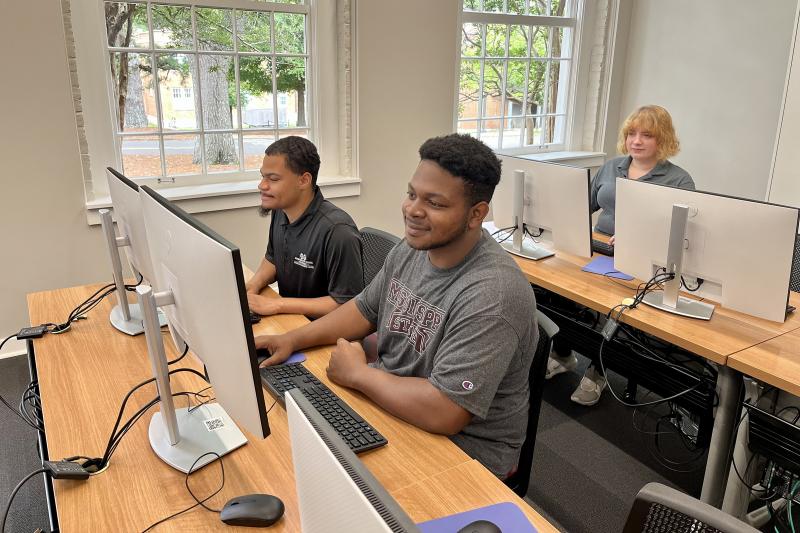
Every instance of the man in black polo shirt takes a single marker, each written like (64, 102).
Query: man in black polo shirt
(314, 249)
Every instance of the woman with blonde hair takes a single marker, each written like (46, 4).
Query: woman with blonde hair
(646, 141)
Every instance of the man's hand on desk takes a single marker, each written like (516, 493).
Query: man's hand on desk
(280, 346)
(263, 305)
(611, 240)
(347, 361)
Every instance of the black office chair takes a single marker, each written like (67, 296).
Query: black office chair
(659, 508)
(519, 480)
(794, 279)
(375, 246)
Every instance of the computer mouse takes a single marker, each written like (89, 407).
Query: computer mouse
(253, 510)
(480, 526)
(255, 318)
(262, 354)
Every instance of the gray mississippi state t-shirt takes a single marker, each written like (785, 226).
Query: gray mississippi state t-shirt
(604, 186)
(471, 330)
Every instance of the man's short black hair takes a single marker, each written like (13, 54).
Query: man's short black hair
(301, 155)
(467, 158)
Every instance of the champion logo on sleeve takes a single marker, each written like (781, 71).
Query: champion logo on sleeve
(468, 385)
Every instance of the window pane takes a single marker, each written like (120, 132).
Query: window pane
(515, 88)
(518, 41)
(290, 31)
(172, 26)
(472, 5)
(496, 40)
(291, 80)
(218, 86)
(254, 145)
(490, 132)
(533, 131)
(253, 31)
(540, 41)
(536, 78)
(299, 133)
(468, 89)
(140, 156)
(538, 7)
(175, 70)
(286, 1)
(562, 40)
(470, 127)
(183, 154)
(126, 25)
(516, 7)
(557, 88)
(493, 5)
(560, 8)
(255, 79)
(512, 128)
(214, 29)
(130, 74)
(492, 88)
(554, 129)
(471, 40)
(222, 152)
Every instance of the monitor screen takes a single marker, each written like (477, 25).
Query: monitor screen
(335, 490)
(201, 274)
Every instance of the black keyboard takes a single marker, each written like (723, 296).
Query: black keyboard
(602, 247)
(353, 429)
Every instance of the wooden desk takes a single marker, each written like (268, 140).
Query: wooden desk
(727, 332)
(776, 362)
(458, 489)
(84, 374)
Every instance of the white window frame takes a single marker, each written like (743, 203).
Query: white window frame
(93, 94)
(571, 144)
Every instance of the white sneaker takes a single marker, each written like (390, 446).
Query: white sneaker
(558, 365)
(590, 388)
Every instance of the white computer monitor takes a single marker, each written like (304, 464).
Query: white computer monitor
(202, 292)
(551, 198)
(126, 317)
(335, 491)
(742, 249)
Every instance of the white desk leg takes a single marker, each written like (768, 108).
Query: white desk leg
(729, 383)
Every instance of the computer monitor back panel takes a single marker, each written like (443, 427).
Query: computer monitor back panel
(335, 491)
(128, 214)
(743, 249)
(556, 200)
(204, 273)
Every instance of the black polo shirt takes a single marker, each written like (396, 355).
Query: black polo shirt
(319, 254)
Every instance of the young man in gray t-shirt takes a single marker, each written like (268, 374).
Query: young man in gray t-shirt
(453, 313)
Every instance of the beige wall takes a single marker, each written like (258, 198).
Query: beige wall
(46, 241)
(719, 68)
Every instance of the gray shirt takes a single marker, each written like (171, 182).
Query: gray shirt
(604, 186)
(470, 330)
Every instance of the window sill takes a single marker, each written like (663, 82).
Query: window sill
(576, 158)
(224, 196)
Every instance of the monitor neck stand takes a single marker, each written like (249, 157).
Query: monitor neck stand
(518, 246)
(126, 317)
(180, 436)
(669, 300)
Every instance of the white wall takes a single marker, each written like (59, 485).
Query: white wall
(719, 68)
(405, 95)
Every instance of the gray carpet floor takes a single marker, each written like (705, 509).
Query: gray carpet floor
(590, 462)
(19, 455)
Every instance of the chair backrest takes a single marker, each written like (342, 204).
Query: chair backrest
(660, 508)
(520, 479)
(794, 279)
(375, 246)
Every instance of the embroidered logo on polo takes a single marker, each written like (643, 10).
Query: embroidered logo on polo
(412, 316)
(301, 260)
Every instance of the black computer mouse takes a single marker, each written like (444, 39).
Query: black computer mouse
(254, 510)
(480, 526)
(262, 354)
(255, 318)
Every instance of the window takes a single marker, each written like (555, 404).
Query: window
(515, 72)
(196, 88)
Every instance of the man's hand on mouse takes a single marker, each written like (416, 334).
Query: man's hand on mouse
(280, 346)
(263, 305)
(347, 361)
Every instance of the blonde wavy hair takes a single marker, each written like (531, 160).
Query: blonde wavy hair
(657, 121)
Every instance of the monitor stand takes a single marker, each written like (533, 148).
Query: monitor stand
(177, 436)
(518, 246)
(527, 250)
(668, 300)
